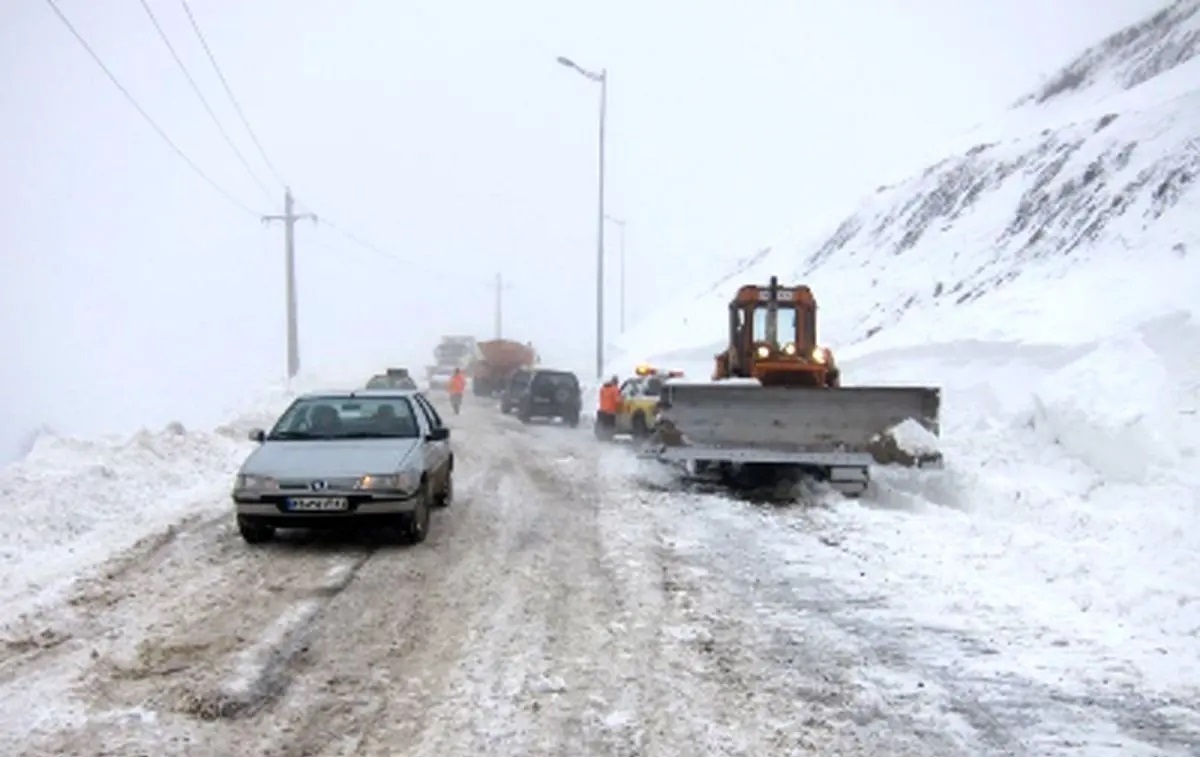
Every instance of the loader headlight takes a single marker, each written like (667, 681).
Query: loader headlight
(818, 354)
(763, 352)
(789, 349)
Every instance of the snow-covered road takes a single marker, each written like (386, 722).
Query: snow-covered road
(561, 606)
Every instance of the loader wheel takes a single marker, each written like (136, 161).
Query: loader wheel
(640, 429)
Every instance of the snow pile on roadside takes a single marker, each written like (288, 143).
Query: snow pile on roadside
(71, 503)
(1064, 515)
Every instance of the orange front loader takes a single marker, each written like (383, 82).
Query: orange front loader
(773, 338)
(777, 399)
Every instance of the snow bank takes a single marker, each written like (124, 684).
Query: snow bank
(71, 503)
(915, 439)
(1113, 409)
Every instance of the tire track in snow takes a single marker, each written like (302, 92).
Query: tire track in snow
(154, 636)
(259, 673)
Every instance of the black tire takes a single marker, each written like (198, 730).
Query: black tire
(505, 408)
(445, 497)
(253, 531)
(524, 415)
(640, 429)
(572, 420)
(416, 526)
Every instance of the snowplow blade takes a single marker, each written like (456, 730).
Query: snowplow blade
(752, 423)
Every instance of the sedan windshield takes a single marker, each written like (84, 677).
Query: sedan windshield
(347, 418)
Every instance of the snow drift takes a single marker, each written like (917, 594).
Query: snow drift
(1046, 276)
(71, 503)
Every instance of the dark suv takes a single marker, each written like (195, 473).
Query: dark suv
(551, 394)
(517, 385)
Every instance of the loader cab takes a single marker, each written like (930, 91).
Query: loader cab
(773, 337)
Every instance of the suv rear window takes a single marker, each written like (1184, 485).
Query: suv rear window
(555, 380)
(520, 379)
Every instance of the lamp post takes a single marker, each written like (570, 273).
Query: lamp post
(621, 225)
(602, 78)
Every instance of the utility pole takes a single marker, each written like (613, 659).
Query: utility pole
(499, 316)
(499, 305)
(289, 219)
(602, 79)
(621, 225)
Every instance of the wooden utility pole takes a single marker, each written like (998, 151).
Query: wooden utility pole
(289, 219)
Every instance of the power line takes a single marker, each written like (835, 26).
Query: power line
(262, 152)
(133, 101)
(258, 144)
(203, 101)
(229, 91)
(392, 255)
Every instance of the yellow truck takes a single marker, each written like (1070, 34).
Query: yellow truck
(639, 400)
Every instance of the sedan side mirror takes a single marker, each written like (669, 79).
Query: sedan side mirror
(438, 434)
(257, 435)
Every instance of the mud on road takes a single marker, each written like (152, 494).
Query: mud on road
(555, 609)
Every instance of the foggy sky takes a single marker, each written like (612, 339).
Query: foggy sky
(444, 132)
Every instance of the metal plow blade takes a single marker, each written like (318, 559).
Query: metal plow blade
(779, 424)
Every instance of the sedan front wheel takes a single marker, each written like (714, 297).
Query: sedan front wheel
(417, 527)
(254, 531)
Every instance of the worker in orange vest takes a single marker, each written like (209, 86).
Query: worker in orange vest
(458, 387)
(610, 405)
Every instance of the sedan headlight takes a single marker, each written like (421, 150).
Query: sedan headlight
(245, 481)
(390, 481)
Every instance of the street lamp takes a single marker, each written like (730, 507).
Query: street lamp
(602, 78)
(621, 225)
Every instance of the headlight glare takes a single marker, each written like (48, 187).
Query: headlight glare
(390, 481)
(789, 349)
(818, 354)
(378, 481)
(763, 351)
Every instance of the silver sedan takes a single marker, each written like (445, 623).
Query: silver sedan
(337, 457)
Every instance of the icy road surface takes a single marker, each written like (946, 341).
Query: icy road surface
(562, 606)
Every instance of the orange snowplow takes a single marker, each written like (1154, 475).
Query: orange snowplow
(777, 399)
(500, 359)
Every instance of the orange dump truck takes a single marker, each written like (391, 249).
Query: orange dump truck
(501, 358)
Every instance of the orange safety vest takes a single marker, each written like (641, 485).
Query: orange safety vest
(458, 383)
(610, 399)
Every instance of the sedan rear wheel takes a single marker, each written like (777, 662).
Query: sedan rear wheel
(446, 497)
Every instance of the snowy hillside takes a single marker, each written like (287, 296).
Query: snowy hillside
(1113, 180)
(1047, 277)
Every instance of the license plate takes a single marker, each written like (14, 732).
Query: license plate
(318, 504)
